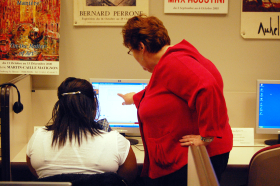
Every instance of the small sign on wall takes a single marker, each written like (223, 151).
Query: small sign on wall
(196, 6)
(260, 19)
(243, 136)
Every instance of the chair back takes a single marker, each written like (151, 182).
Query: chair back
(29, 183)
(264, 167)
(102, 179)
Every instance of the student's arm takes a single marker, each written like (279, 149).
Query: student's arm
(30, 166)
(128, 170)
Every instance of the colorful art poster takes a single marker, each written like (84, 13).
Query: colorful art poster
(29, 36)
(107, 12)
(196, 6)
(260, 19)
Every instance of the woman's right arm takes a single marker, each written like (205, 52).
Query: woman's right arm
(128, 170)
(128, 98)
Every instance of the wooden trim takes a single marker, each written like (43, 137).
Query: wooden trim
(17, 79)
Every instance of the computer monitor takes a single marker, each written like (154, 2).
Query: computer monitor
(268, 109)
(122, 118)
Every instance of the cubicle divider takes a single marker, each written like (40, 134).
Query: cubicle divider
(15, 128)
(5, 135)
(200, 170)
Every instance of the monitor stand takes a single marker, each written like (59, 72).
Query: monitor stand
(132, 141)
(273, 141)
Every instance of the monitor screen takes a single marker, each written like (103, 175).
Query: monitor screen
(122, 118)
(268, 107)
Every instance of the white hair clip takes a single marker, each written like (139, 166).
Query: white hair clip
(68, 93)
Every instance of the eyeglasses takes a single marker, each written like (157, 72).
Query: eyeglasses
(130, 52)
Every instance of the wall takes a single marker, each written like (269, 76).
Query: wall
(97, 52)
(4, 78)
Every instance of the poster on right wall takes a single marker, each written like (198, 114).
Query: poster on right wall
(260, 19)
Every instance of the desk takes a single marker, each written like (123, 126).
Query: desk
(235, 174)
(241, 155)
(238, 163)
(238, 156)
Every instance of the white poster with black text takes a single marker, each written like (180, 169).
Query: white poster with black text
(260, 19)
(107, 12)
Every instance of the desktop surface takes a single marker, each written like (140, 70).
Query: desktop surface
(239, 155)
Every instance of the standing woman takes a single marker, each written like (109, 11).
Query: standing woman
(74, 143)
(182, 105)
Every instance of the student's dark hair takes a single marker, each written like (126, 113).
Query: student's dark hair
(148, 30)
(74, 113)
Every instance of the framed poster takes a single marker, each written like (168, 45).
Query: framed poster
(196, 6)
(107, 12)
(29, 37)
(260, 19)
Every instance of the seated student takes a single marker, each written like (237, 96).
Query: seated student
(73, 142)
